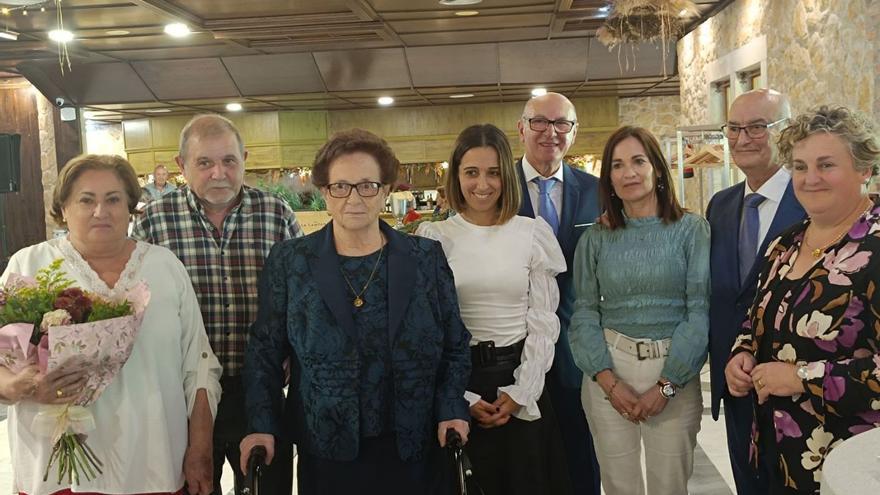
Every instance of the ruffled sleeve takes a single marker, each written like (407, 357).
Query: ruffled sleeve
(542, 324)
(201, 369)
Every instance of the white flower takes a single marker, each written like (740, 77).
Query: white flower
(816, 325)
(875, 405)
(787, 354)
(55, 318)
(817, 448)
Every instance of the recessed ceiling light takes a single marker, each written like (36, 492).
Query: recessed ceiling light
(60, 35)
(177, 30)
(463, 95)
(4, 11)
(467, 13)
(233, 107)
(157, 110)
(385, 100)
(118, 32)
(9, 35)
(604, 9)
(539, 92)
(459, 2)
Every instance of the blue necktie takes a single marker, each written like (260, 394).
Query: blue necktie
(546, 210)
(748, 234)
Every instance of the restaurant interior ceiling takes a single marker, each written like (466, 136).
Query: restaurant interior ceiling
(323, 54)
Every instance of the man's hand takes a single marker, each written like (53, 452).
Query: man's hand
(738, 374)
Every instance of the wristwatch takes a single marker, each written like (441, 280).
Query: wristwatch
(802, 372)
(667, 389)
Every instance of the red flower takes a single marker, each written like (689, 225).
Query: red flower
(75, 302)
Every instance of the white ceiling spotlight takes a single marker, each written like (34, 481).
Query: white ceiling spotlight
(233, 107)
(177, 30)
(385, 100)
(60, 36)
(462, 95)
(539, 91)
(458, 3)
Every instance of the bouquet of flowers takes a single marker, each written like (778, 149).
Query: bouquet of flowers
(47, 322)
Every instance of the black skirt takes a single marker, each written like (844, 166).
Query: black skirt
(521, 457)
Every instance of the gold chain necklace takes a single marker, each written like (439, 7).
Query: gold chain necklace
(358, 301)
(819, 251)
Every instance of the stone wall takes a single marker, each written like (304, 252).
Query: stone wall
(658, 114)
(48, 160)
(817, 52)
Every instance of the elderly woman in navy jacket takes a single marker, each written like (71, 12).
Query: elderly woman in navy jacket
(369, 319)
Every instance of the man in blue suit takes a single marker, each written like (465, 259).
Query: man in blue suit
(744, 219)
(568, 199)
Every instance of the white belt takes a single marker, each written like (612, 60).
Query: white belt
(640, 348)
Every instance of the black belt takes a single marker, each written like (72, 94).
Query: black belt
(486, 354)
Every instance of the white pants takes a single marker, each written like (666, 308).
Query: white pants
(669, 437)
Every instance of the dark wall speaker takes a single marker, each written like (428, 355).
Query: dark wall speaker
(10, 162)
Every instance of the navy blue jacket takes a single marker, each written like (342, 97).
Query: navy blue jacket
(306, 314)
(730, 301)
(580, 208)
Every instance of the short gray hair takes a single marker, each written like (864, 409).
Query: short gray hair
(208, 124)
(856, 130)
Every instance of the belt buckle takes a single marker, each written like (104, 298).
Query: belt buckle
(486, 351)
(652, 347)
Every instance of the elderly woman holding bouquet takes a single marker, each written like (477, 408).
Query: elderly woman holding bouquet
(810, 350)
(153, 419)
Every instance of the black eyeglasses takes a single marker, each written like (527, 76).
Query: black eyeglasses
(540, 124)
(343, 189)
(753, 131)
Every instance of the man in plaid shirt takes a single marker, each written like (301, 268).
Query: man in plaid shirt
(222, 231)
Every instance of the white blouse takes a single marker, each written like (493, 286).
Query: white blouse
(141, 418)
(507, 291)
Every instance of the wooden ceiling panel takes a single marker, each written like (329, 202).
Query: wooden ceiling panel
(419, 5)
(481, 36)
(562, 60)
(101, 83)
(187, 52)
(643, 60)
(473, 23)
(453, 65)
(363, 69)
(219, 9)
(291, 73)
(182, 79)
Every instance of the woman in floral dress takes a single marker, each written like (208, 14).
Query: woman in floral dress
(810, 346)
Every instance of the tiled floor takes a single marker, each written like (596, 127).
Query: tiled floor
(712, 475)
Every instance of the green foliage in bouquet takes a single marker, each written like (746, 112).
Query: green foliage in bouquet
(29, 304)
(105, 310)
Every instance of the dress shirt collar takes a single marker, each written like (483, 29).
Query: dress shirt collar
(530, 173)
(774, 188)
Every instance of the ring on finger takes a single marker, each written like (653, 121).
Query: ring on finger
(59, 393)
(760, 383)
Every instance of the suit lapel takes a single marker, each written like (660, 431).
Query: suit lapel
(331, 286)
(525, 209)
(571, 203)
(402, 268)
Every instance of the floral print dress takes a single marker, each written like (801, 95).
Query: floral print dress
(829, 319)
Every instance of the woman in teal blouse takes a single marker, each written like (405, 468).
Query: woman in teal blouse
(640, 327)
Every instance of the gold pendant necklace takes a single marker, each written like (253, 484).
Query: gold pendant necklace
(358, 300)
(820, 251)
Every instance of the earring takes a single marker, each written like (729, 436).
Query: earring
(661, 186)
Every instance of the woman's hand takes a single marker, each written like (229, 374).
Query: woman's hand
(459, 425)
(650, 403)
(198, 460)
(15, 387)
(622, 397)
(779, 379)
(249, 442)
(481, 412)
(738, 374)
(59, 386)
(504, 406)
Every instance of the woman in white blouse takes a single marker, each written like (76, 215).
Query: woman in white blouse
(153, 423)
(505, 267)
